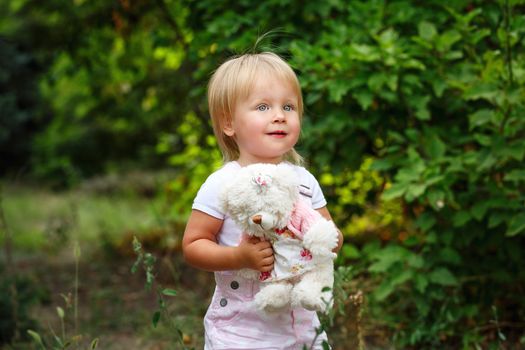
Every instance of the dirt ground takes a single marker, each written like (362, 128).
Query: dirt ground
(113, 304)
(115, 307)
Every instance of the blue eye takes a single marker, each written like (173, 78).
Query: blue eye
(262, 108)
(288, 108)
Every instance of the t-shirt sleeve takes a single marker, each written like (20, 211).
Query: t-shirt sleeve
(318, 200)
(310, 188)
(207, 199)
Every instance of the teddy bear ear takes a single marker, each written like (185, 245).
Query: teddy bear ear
(288, 179)
(285, 171)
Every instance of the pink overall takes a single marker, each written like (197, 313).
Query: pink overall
(233, 323)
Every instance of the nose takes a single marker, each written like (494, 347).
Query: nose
(279, 117)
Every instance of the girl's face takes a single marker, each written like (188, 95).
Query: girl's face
(266, 124)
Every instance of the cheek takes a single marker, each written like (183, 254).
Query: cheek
(295, 125)
(255, 126)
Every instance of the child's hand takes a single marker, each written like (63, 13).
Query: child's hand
(256, 254)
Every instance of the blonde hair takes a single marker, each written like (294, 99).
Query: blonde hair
(233, 81)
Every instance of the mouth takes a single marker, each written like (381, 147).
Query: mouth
(279, 133)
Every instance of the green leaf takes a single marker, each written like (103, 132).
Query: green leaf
(516, 225)
(479, 118)
(156, 318)
(414, 191)
(349, 251)
(480, 34)
(381, 164)
(436, 199)
(376, 81)
(402, 276)
(431, 238)
(383, 291)
(439, 85)
(486, 160)
(461, 218)
(434, 146)
(427, 30)
(434, 179)
(447, 39)
(337, 89)
(421, 282)
(415, 261)
(515, 151)
(169, 292)
(483, 139)
(453, 55)
(60, 312)
(421, 105)
(59, 342)
(94, 344)
(381, 265)
(450, 255)
(388, 286)
(36, 337)
(387, 257)
(395, 191)
(312, 97)
(364, 98)
(496, 218)
(479, 209)
(515, 175)
(483, 91)
(425, 221)
(443, 277)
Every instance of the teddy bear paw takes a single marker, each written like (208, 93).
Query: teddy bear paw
(313, 301)
(321, 238)
(318, 303)
(270, 306)
(273, 298)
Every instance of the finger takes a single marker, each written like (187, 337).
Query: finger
(264, 244)
(266, 268)
(245, 237)
(267, 252)
(267, 260)
(254, 240)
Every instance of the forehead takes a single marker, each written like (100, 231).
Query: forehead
(268, 83)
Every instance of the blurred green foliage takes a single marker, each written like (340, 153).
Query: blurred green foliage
(17, 295)
(414, 124)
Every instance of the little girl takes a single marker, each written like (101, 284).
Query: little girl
(256, 107)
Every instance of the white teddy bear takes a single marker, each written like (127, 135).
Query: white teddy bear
(264, 201)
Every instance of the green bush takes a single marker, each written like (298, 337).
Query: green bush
(435, 93)
(432, 93)
(442, 89)
(17, 295)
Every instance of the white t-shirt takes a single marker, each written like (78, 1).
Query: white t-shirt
(207, 199)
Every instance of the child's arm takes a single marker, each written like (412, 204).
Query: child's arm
(201, 250)
(326, 214)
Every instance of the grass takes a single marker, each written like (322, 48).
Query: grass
(39, 218)
(113, 304)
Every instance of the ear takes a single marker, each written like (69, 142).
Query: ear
(227, 128)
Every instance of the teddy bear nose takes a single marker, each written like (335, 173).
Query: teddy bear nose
(257, 219)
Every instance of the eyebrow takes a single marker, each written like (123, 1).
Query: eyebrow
(294, 100)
